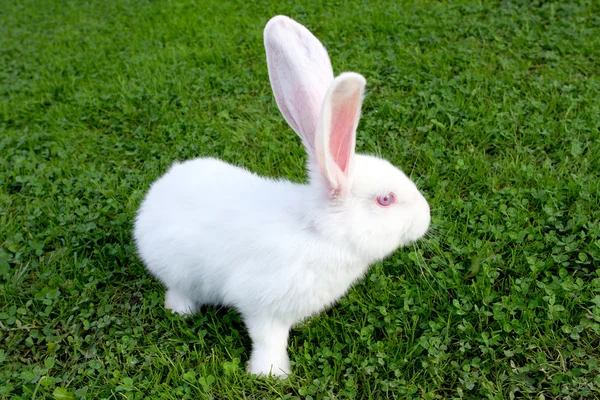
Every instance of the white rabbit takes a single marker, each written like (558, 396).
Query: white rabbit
(277, 251)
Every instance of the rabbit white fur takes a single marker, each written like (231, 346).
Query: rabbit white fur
(277, 251)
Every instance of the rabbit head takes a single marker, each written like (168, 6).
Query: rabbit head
(368, 202)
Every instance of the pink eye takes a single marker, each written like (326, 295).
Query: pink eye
(386, 200)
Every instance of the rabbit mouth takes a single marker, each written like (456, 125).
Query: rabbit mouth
(418, 229)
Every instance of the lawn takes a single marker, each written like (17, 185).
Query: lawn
(493, 108)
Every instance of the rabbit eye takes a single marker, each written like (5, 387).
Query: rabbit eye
(386, 200)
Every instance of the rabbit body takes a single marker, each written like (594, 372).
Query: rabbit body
(219, 234)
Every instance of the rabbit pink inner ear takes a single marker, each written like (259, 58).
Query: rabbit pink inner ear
(337, 130)
(344, 119)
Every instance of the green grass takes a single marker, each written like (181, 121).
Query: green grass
(493, 107)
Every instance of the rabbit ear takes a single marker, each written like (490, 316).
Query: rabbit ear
(336, 133)
(300, 73)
